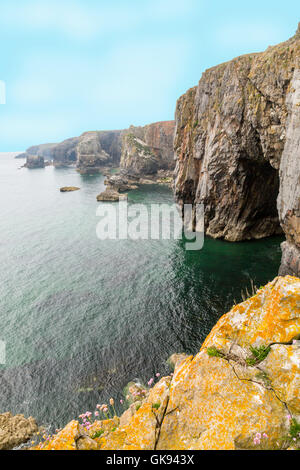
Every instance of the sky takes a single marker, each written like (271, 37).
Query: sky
(69, 66)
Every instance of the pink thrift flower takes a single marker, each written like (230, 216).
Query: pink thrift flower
(265, 435)
(157, 374)
(96, 413)
(121, 401)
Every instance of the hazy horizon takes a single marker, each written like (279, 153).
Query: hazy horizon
(74, 66)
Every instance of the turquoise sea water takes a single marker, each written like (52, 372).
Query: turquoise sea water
(81, 317)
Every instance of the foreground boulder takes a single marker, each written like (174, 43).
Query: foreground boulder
(15, 430)
(241, 391)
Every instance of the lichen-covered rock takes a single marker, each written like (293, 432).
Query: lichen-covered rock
(237, 139)
(175, 359)
(15, 430)
(222, 402)
(211, 408)
(272, 315)
(282, 371)
(142, 428)
(241, 391)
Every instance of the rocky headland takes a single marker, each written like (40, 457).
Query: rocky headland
(34, 161)
(241, 391)
(237, 145)
(147, 157)
(95, 151)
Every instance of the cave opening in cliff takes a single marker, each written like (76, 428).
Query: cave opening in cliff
(260, 187)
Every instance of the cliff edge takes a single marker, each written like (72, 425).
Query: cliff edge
(241, 391)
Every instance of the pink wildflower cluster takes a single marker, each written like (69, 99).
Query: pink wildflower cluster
(102, 411)
(151, 381)
(136, 393)
(258, 437)
(86, 419)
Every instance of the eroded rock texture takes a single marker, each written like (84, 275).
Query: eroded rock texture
(237, 140)
(141, 150)
(148, 149)
(15, 430)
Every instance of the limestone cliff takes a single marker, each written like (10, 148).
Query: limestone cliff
(147, 149)
(62, 153)
(237, 143)
(98, 148)
(241, 391)
(142, 150)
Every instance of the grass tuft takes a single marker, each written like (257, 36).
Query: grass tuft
(214, 352)
(98, 433)
(258, 354)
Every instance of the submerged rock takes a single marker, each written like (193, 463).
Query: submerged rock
(15, 430)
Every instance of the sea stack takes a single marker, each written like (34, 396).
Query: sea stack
(35, 161)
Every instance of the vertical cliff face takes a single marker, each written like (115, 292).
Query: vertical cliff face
(236, 144)
(96, 149)
(145, 150)
(289, 194)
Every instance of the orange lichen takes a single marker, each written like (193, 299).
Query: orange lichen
(217, 402)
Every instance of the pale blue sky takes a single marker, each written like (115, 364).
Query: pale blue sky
(76, 65)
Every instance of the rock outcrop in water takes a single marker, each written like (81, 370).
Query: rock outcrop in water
(237, 147)
(15, 430)
(35, 161)
(67, 189)
(241, 391)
